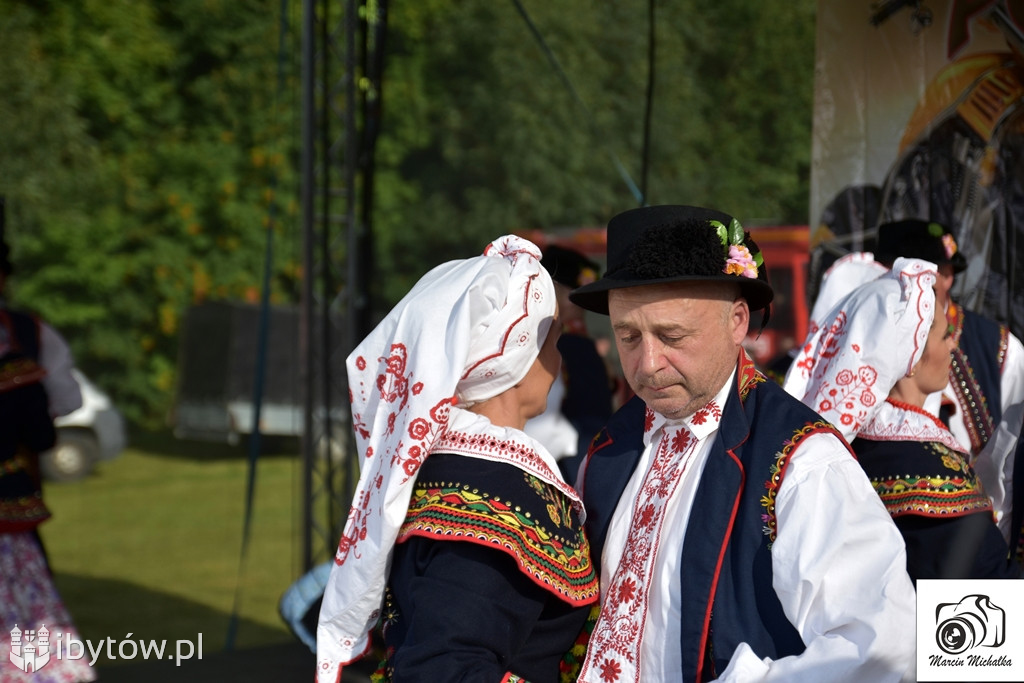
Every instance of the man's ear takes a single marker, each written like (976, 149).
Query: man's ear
(739, 319)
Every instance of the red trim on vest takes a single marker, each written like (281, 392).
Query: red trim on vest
(706, 628)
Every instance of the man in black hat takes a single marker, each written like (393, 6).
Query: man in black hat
(587, 399)
(983, 405)
(737, 535)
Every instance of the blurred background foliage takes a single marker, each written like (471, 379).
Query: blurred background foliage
(147, 143)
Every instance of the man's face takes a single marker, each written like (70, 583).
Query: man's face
(677, 343)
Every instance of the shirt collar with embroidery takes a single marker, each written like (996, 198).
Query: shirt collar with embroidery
(702, 423)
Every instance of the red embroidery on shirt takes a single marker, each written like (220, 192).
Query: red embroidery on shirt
(615, 643)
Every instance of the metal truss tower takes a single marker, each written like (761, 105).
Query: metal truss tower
(342, 61)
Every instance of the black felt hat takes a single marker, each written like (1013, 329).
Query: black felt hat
(662, 244)
(916, 238)
(569, 267)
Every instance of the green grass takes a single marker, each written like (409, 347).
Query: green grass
(149, 544)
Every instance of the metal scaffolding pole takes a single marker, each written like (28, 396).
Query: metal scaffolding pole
(342, 59)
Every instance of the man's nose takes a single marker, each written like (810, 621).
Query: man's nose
(650, 356)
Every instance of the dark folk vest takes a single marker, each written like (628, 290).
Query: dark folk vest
(727, 571)
(940, 508)
(975, 377)
(974, 374)
(26, 429)
(464, 501)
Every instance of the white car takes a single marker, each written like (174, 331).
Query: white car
(94, 432)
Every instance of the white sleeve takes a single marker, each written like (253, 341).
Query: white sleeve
(994, 463)
(61, 387)
(839, 567)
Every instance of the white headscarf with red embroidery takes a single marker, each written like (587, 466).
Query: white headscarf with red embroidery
(842, 277)
(869, 340)
(467, 331)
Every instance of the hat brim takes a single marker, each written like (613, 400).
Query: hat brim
(594, 296)
(958, 261)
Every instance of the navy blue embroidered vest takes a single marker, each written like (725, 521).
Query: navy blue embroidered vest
(975, 374)
(921, 478)
(727, 595)
(975, 379)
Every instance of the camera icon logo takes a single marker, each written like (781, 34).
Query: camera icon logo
(974, 621)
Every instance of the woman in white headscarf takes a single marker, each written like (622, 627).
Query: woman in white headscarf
(842, 277)
(868, 367)
(463, 540)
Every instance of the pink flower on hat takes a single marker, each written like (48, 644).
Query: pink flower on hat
(740, 262)
(950, 244)
(586, 276)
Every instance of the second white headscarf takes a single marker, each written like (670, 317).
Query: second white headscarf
(869, 340)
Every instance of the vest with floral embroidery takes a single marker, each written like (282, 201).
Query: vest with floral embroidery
(511, 511)
(924, 479)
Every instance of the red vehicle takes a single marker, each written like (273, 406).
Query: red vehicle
(786, 251)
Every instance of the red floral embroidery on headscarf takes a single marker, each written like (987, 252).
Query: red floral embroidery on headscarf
(393, 383)
(419, 428)
(442, 410)
(355, 529)
(832, 341)
(360, 426)
(851, 395)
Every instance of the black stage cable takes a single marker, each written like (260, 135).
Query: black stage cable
(568, 84)
(261, 362)
(650, 100)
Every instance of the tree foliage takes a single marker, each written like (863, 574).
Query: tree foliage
(143, 141)
(151, 131)
(485, 135)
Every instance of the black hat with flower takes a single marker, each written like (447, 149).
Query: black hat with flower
(568, 266)
(921, 239)
(662, 244)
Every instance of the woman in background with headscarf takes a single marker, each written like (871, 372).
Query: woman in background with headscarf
(868, 368)
(463, 539)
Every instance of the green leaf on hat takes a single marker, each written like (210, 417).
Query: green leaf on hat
(935, 230)
(723, 234)
(735, 232)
